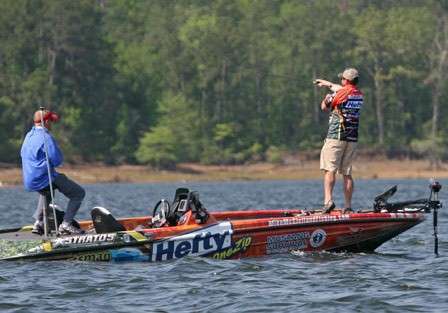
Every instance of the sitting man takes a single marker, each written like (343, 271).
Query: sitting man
(37, 144)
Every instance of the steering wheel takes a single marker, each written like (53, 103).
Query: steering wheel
(164, 208)
(159, 217)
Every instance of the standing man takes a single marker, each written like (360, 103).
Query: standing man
(38, 142)
(339, 148)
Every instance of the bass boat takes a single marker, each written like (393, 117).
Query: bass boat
(185, 228)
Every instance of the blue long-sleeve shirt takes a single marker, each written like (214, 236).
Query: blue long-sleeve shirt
(34, 163)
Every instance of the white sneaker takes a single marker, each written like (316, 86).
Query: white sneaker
(67, 229)
(38, 228)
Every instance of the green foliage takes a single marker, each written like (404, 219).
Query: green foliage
(158, 148)
(274, 155)
(220, 82)
(433, 147)
(255, 152)
(173, 137)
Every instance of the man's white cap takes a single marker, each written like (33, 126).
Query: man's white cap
(349, 74)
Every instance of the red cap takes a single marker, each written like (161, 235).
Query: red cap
(48, 116)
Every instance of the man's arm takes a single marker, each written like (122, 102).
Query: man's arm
(326, 102)
(325, 83)
(54, 153)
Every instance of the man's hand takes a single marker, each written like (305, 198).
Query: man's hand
(322, 83)
(325, 83)
(326, 102)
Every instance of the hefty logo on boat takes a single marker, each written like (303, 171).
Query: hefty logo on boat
(198, 243)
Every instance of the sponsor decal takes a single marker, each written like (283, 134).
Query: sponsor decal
(199, 243)
(103, 256)
(238, 246)
(307, 220)
(318, 238)
(83, 239)
(286, 243)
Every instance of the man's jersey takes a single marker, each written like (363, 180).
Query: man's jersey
(345, 111)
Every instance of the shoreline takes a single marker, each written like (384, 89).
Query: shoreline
(297, 170)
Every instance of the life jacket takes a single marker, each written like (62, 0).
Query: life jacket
(345, 112)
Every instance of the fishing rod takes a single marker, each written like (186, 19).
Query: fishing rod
(47, 159)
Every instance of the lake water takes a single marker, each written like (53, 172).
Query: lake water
(402, 276)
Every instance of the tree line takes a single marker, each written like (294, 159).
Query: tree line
(220, 82)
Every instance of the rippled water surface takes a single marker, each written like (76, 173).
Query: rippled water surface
(402, 276)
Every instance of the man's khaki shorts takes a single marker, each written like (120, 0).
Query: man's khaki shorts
(337, 156)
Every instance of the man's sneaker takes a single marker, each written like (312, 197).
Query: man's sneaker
(38, 228)
(348, 210)
(329, 206)
(67, 229)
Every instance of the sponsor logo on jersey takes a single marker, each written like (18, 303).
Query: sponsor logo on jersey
(353, 105)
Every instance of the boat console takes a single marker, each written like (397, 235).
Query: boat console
(185, 207)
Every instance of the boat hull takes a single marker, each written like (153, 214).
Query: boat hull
(231, 236)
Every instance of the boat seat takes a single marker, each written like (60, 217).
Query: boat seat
(104, 222)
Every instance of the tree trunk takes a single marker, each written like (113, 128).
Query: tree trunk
(438, 79)
(316, 102)
(261, 133)
(51, 65)
(379, 104)
(436, 94)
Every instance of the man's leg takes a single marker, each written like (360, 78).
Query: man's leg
(330, 159)
(346, 171)
(348, 190)
(44, 201)
(39, 213)
(74, 192)
(329, 181)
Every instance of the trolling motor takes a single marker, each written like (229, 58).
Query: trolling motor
(433, 204)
